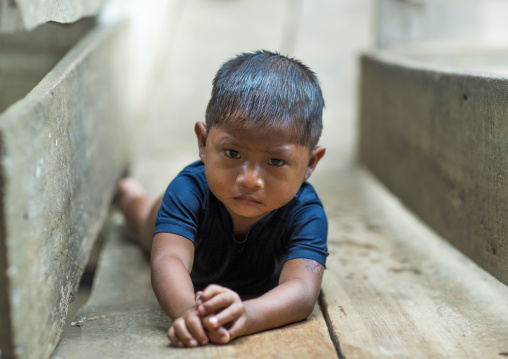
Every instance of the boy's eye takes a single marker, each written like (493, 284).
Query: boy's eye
(232, 153)
(276, 162)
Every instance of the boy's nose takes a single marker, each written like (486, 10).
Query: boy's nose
(250, 176)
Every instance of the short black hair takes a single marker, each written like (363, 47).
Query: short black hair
(267, 89)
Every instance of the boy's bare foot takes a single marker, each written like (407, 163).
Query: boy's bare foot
(139, 211)
(127, 190)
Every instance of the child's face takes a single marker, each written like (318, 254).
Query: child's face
(253, 172)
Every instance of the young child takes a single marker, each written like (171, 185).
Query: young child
(241, 226)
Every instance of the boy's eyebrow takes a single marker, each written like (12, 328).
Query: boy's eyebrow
(279, 150)
(226, 140)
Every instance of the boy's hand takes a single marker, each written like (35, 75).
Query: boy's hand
(188, 330)
(221, 308)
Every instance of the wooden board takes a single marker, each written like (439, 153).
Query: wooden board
(122, 318)
(62, 150)
(394, 289)
(438, 139)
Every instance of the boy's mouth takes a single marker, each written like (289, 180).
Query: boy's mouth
(247, 200)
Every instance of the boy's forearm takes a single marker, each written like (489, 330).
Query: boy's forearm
(290, 302)
(172, 286)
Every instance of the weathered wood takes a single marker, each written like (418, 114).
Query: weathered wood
(62, 149)
(25, 15)
(394, 289)
(122, 318)
(438, 139)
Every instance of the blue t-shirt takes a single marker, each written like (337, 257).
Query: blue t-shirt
(253, 265)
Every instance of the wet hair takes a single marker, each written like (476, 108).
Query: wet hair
(269, 90)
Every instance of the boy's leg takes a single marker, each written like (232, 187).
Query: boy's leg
(139, 210)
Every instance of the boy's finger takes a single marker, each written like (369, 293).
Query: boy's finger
(198, 297)
(197, 331)
(211, 291)
(183, 334)
(238, 328)
(218, 302)
(227, 315)
(173, 338)
(219, 335)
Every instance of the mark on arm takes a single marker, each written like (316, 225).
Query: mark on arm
(314, 267)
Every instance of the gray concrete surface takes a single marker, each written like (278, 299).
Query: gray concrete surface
(26, 15)
(27, 57)
(62, 151)
(437, 138)
(441, 22)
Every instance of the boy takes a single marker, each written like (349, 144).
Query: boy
(241, 226)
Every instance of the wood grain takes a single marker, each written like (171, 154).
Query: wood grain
(122, 319)
(394, 289)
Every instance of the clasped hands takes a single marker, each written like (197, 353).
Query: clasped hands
(218, 316)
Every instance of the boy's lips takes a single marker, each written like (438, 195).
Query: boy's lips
(247, 200)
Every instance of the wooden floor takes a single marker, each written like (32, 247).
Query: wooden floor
(392, 289)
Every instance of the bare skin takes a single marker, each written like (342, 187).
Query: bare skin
(252, 173)
(140, 211)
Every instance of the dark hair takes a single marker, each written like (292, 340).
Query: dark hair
(267, 89)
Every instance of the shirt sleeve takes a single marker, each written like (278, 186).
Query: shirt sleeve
(309, 233)
(181, 206)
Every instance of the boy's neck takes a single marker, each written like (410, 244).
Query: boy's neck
(242, 225)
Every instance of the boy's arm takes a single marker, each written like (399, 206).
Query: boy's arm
(171, 262)
(291, 301)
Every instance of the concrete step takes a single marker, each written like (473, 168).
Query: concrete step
(62, 149)
(437, 137)
(26, 15)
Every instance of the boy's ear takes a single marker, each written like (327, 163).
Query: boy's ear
(317, 153)
(200, 130)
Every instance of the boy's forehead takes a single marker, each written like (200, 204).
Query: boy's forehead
(271, 134)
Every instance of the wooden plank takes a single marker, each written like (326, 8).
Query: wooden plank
(26, 15)
(438, 139)
(394, 289)
(62, 150)
(122, 318)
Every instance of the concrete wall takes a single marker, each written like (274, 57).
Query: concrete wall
(62, 148)
(26, 15)
(442, 22)
(70, 95)
(438, 139)
(28, 56)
